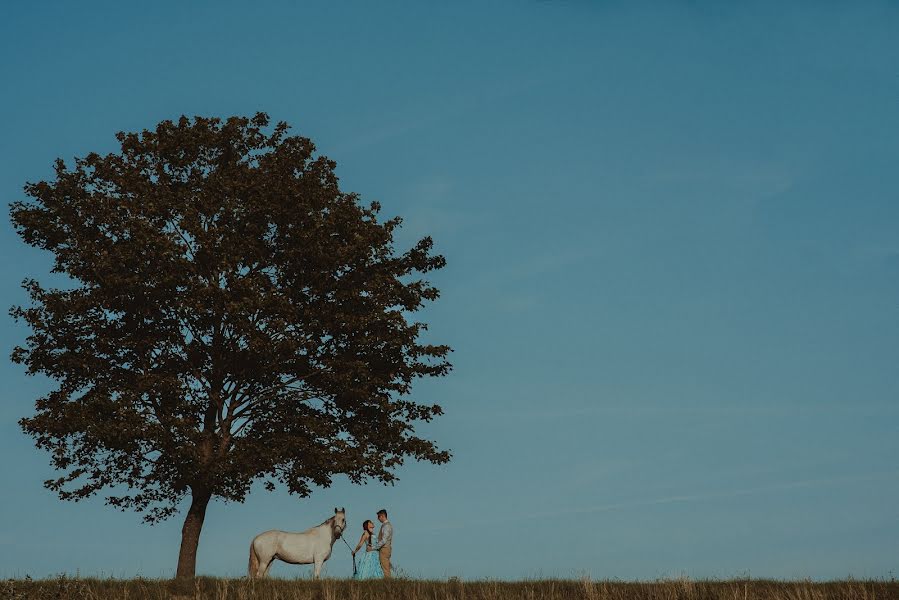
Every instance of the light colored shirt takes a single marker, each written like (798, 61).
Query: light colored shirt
(385, 536)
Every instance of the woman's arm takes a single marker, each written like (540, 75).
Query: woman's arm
(361, 541)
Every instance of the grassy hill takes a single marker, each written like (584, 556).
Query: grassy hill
(210, 588)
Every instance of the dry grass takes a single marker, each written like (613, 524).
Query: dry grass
(208, 588)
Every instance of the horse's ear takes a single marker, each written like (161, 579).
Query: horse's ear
(335, 510)
(343, 509)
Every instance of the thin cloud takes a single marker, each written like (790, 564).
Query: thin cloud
(638, 408)
(443, 109)
(804, 483)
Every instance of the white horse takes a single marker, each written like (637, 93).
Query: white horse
(312, 546)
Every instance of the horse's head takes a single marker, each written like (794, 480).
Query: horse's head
(339, 520)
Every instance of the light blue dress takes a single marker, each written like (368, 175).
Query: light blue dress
(368, 566)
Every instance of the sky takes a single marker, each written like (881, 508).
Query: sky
(672, 291)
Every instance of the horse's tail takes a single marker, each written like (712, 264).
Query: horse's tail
(253, 568)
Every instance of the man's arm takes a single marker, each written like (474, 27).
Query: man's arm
(386, 536)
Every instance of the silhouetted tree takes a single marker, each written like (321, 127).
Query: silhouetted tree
(233, 316)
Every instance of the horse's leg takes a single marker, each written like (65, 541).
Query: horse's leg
(259, 566)
(316, 574)
(268, 566)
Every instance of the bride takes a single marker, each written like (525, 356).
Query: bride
(369, 567)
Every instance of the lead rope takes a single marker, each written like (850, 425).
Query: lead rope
(351, 554)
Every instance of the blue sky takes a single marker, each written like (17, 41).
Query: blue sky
(672, 234)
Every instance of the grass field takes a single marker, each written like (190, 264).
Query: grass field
(210, 588)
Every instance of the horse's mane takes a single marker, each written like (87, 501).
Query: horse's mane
(330, 521)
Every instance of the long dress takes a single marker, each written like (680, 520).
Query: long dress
(368, 566)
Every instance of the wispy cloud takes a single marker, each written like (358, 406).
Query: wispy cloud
(642, 408)
(756, 178)
(446, 105)
(516, 287)
(675, 499)
(429, 208)
(787, 485)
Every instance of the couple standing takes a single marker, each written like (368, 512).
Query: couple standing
(371, 566)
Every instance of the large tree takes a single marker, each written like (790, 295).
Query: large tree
(231, 316)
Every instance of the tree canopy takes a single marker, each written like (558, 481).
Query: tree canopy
(232, 316)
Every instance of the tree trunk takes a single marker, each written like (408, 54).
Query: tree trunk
(190, 534)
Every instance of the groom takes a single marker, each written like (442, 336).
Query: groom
(385, 542)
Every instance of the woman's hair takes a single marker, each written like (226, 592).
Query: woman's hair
(365, 524)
